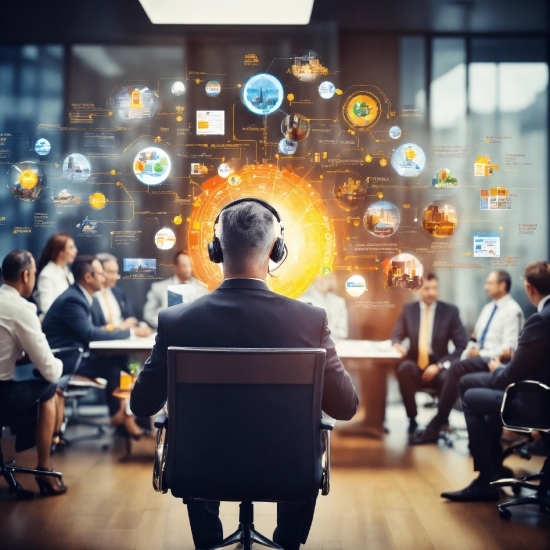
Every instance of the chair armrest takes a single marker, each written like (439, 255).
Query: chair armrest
(67, 349)
(161, 420)
(327, 422)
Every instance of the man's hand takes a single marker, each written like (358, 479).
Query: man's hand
(400, 349)
(430, 372)
(472, 352)
(129, 322)
(506, 355)
(494, 364)
(143, 331)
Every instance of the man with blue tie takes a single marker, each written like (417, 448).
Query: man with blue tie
(495, 335)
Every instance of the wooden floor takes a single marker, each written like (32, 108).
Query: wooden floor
(385, 495)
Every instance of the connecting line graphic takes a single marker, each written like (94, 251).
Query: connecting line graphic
(243, 140)
(277, 59)
(131, 201)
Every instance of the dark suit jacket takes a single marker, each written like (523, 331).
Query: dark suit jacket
(98, 317)
(531, 360)
(68, 322)
(447, 326)
(243, 313)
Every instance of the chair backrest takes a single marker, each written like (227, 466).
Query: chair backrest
(244, 424)
(526, 407)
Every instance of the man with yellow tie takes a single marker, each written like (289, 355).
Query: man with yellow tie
(429, 325)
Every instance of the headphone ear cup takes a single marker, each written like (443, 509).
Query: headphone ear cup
(215, 252)
(278, 252)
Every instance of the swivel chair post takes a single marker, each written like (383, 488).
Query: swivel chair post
(246, 534)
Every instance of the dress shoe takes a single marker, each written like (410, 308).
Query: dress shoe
(50, 485)
(477, 491)
(425, 437)
(413, 426)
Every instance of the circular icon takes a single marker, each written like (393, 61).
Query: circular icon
(42, 146)
(152, 166)
(97, 201)
(443, 179)
(234, 180)
(263, 94)
(408, 160)
(213, 88)
(295, 127)
(327, 89)
(362, 110)
(355, 286)
(349, 190)
(395, 132)
(178, 88)
(404, 272)
(287, 146)
(224, 170)
(307, 66)
(178, 220)
(26, 181)
(76, 168)
(165, 239)
(134, 104)
(381, 219)
(439, 219)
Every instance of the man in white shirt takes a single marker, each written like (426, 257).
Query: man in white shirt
(111, 308)
(20, 331)
(496, 335)
(320, 294)
(157, 297)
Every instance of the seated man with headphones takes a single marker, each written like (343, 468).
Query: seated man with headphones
(244, 313)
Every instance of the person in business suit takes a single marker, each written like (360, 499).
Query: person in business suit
(111, 308)
(157, 297)
(482, 392)
(69, 323)
(496, 334)
(429, 324)
(243, 312)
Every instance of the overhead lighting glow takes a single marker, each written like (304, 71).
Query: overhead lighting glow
(228, 12)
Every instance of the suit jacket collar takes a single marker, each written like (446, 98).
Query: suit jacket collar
(252, 284)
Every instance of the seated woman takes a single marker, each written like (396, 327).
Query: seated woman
(20, 331)
(53, 273)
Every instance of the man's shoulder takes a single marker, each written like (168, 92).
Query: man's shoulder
(410, 307)
(158, 285)
(446, 306)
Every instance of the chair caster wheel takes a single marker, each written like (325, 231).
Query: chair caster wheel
(516, 489)
(105, 447)
(504, 513)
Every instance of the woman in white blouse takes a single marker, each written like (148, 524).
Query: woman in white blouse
(54, 275)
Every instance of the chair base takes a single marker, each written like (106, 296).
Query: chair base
(8, 470)
(246, 534)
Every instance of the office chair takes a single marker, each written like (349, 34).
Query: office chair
(526, 409)
(244, 425)
(8, 470)
(71, 358)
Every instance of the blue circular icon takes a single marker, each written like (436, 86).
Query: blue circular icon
(263, 94)
(42, 146)
(395, 132)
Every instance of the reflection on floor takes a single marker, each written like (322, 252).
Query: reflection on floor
(385, 495)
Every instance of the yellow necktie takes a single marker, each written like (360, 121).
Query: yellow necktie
(424, 341)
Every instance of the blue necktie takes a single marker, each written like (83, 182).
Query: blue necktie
(486, 329)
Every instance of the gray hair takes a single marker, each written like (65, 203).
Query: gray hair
(246, 234)
(105, 257)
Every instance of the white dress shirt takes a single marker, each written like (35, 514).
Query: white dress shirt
(20, 331)
(52, 282)
(334, 305)
(504, 329)
(431, 313)
(540, 305)
(109, 306)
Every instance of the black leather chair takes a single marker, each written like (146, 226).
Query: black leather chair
(244, 425)
(526, 409)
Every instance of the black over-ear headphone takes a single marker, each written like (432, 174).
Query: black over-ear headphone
(279, 250)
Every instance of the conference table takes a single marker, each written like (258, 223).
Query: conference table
(372, 361)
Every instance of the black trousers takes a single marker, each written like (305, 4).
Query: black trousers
(409, 377)
(482, 411)
(449, 391)
(108, 367)
(293, 524)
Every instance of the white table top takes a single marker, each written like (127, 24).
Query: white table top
(347, 349)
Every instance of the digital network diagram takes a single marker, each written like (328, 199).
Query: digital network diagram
(146, 169)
